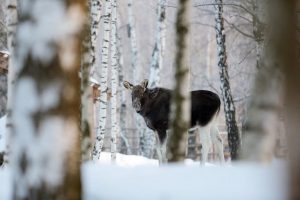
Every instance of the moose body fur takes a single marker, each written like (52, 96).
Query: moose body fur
(154, 106)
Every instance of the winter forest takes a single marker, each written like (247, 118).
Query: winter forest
(160, 99)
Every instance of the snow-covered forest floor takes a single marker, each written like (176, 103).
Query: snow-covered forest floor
(137, 177)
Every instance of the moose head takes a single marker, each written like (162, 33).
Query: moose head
(138, 94)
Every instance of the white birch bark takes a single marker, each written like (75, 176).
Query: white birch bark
(11, 22)
(159, 46)
(103, 83)
(134, 64)
(122, 95)
(180, 105)
(114, 82)
(96, 6)
(46, 134)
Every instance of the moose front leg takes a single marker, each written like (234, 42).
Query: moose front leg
(161, 148)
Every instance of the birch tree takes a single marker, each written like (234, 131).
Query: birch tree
(134, 64)
(258, 28)
(229, 108)
(180, 105)
(95, 12)
(122, 94)
(159, 46)
(114, 82)
(46, 132)
(155, 67)
(11, 23)
(86, 93)
(103, 82)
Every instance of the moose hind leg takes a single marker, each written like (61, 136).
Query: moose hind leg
(205, 142)
(217, 141)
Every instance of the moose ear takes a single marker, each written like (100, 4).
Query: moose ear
(144, 84)
(127, 85)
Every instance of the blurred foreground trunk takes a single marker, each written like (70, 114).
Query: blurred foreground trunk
(262, 125)
(46, 134)
(292, 87)
(180, 105)
(86, 92)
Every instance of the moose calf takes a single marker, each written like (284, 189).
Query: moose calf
(154, 106)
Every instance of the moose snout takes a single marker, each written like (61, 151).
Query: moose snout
(137, 105)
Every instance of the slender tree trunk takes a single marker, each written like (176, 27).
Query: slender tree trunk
(11, 20)
(86, 92)
(135, 68)
(122, 95)
(261, 127)
(103, 83)
(158, 51)
(180, 107)
(258, 29)
(229, 108)
(114, 82)
(96, 6)
(148, 140)
(46, 132)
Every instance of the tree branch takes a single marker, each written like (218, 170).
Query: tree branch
(238, 30)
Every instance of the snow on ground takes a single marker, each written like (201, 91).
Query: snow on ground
(175, 182)
(136, 178)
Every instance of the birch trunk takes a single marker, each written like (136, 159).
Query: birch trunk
(159, 46)
(95, 13)
(46, 145)
(148, 140)
(11, 20)
(258, 29)
(229, 108)
(86, 93)
(122, 95)
(261, 126)
(180, 106)
(134, 64)
(114, 82)
(103, 83)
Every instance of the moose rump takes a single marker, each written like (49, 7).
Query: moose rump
(154, 106)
